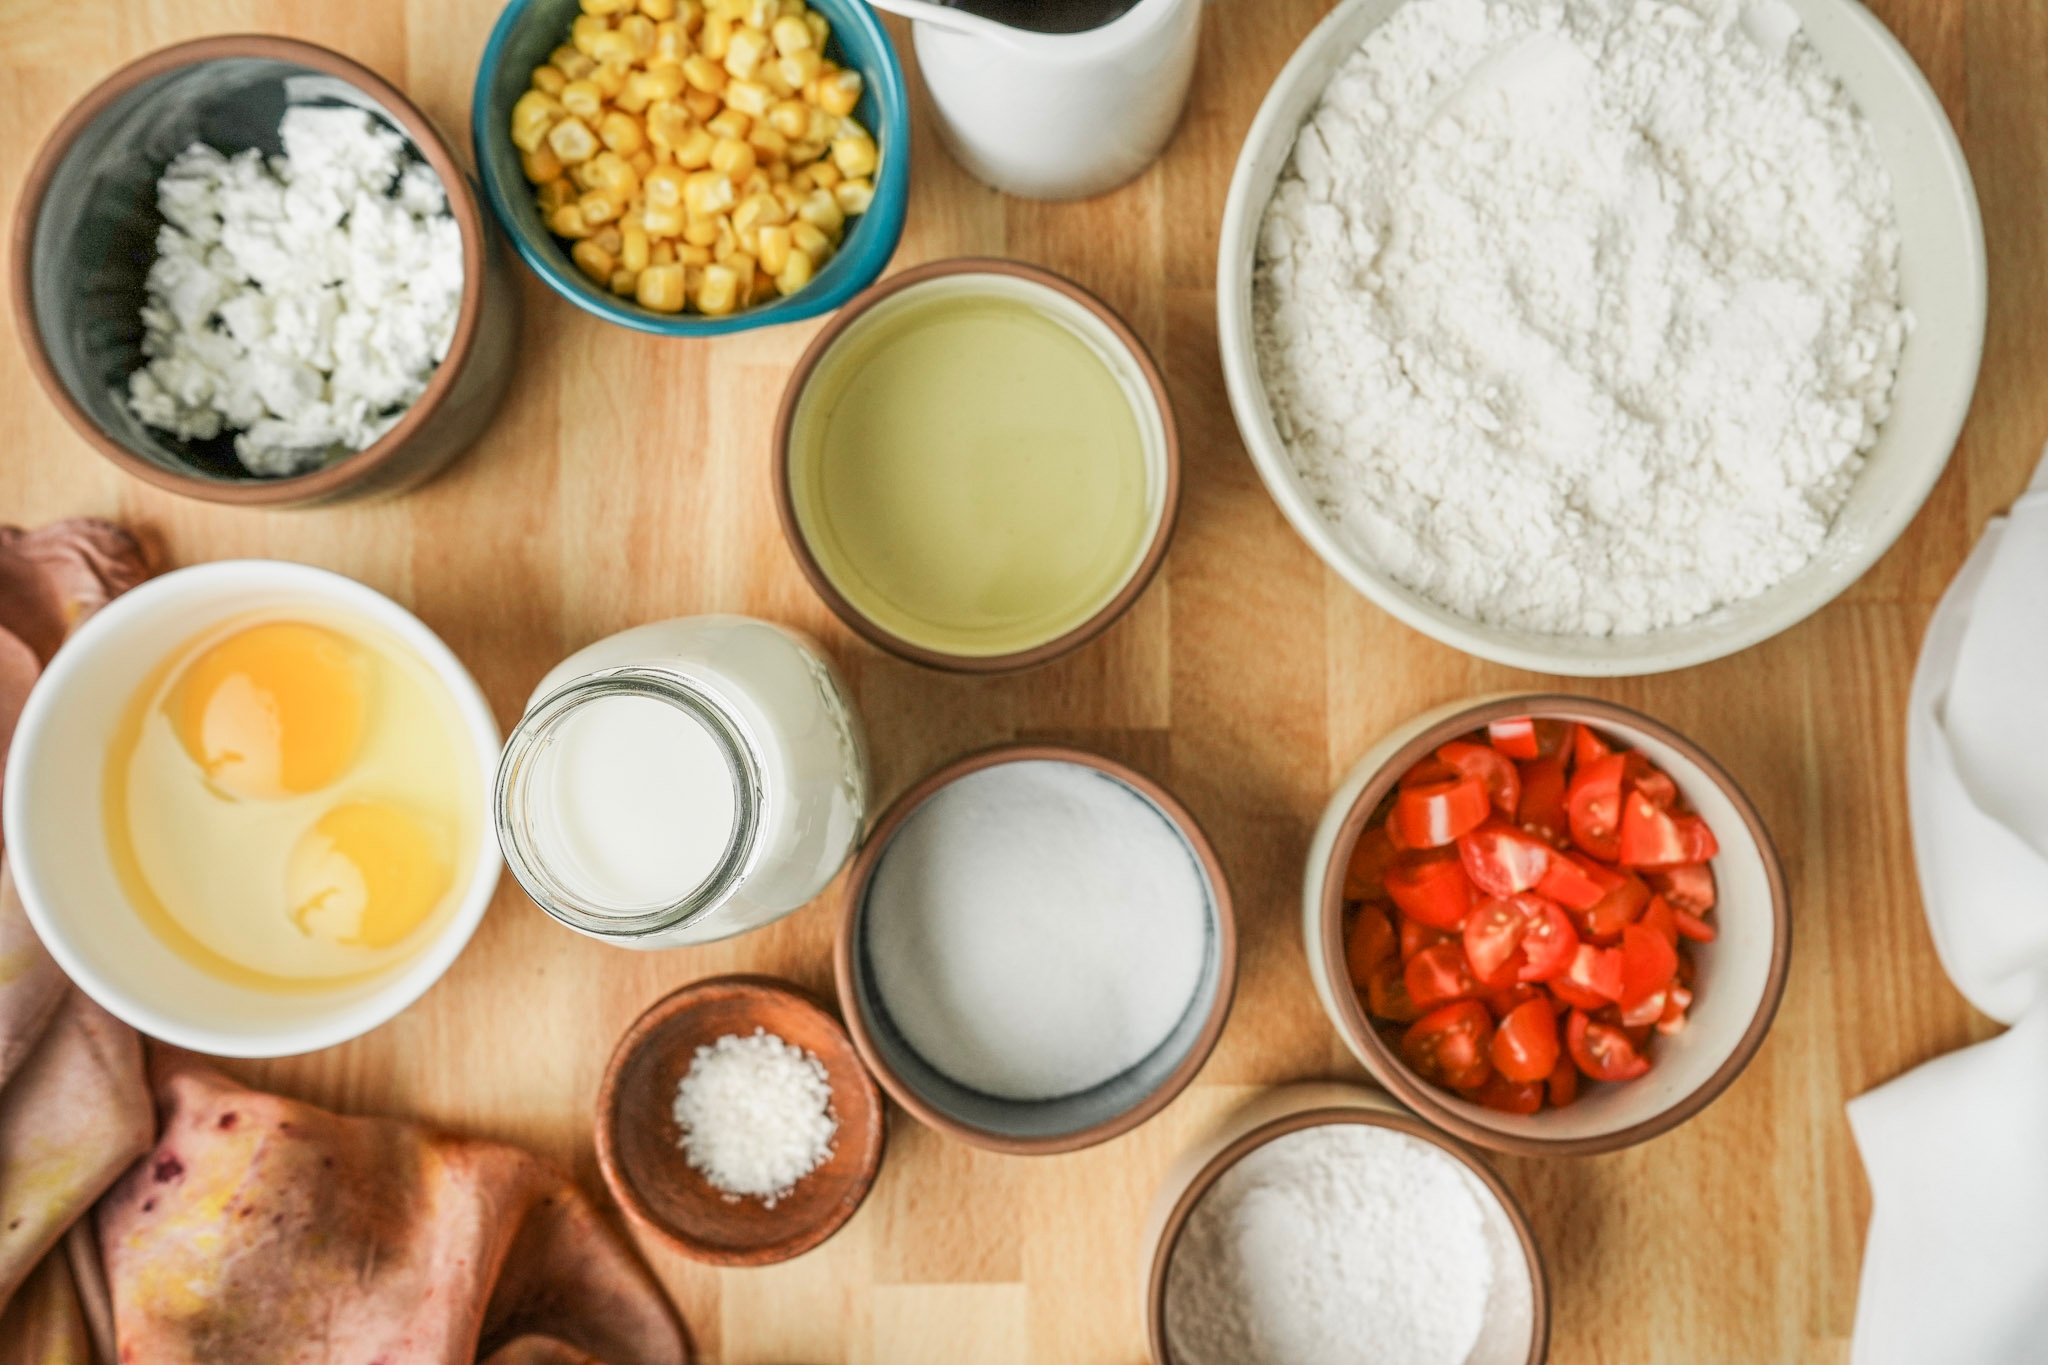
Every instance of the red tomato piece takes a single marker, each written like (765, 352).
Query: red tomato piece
(1654, 837)
(1506, 1001)
(1689, 887)
(1524, 737)
(1431, 886)
(1661, 920)
(1648, 963)
(1386, 994)
(1619, 907)
(1493, 931)
(1677, 1001)
(1685, 965)
(1645, 1012)
(1511, 1097)
(1564, 1083)
(1549, 943)
(1595, 971)
(1432, 814)
(1449, 1045)
(1652, 781)
(1428, 772)
(1491, 767)
(1574, 880)
(1501, 860)
(1415, 936)
(1593, 806)
(1440, 974)
(1541, 810)
(1505, 977)
(1371, 856)
(1587, 746)
(1371, 941)
(1692, 926)
(1571, 997)
(1525, 1043)
(1602, 1051)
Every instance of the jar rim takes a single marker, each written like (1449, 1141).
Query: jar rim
(530, 739)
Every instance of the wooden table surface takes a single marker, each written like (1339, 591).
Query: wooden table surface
(626, 480)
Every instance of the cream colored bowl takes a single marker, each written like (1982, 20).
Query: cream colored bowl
(57, 844)
(1942, 272)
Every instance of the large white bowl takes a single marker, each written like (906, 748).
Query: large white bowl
(1941, 268)
(57, 849)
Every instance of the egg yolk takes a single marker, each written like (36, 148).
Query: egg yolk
(273, 711)
(367, 874)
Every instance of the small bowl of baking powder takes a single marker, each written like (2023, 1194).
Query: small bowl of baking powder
(737, 1123)
(1322, 1225)
(1600, 339)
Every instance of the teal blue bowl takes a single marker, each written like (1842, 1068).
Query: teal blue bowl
(529, 30)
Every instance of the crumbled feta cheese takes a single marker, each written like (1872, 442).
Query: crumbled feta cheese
(302, 302)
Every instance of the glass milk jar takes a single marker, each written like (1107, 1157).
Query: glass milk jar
(683, 781)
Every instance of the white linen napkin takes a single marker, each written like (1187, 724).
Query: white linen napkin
(1955, 1264)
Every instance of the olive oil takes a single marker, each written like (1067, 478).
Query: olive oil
(971, 473)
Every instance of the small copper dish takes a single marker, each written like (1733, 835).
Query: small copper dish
(639, 1145)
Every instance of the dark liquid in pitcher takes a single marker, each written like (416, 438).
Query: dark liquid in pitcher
(1046, 16)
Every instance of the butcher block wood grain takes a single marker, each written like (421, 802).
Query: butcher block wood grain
(627, 480)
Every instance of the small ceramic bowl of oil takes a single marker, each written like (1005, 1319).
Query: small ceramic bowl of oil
(245, 808)
(977, 466)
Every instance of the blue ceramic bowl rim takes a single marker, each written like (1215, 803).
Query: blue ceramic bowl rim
(870, 242)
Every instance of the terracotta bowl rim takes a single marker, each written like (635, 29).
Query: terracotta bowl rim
(1319, 1116)
(847, 943)
(1391, 1072)
(872, 1136)
(462, 203)
(785, 499)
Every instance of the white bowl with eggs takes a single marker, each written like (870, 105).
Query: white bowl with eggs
(150, 764)
(1942, 282)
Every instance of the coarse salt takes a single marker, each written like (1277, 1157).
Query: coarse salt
(755, 1114)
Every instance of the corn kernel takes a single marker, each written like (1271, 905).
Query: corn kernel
(821, 31)
(854, 196)
(583, 99)
(708, 192)
(693, 153)
(733, 158)
(553, 195)
(702, 104)
(760, 210)
(795, 273)
(819, 126)
(791, 34)
(807, 153)
(533, 114)
(726, 242)
(749, 97)
(769, 146)
(806, 237)
(621, 133)
(822, 211)
(638, 30)
(825, 175)
(690, 14)
(772, 242)
(854, 156)
(585, 31)
(598, 207)
(717, 34)
(541, 165)
(614, 175)
(762, 14)
(689, 253)
(623, 282)
(572, 141)
(572, 64)
(798, 69)
(703, 73)
(634, 245)
(671, 45)
(610, 79)
(613, 47)
(610, 238)
(789, 196)
(693, 276)
(756, 183)
(664, 222)
(548, 80)
(660, 288)
(729, 123)
(641, 161)
(658, 10)
(803, 182)
(567, 221)
(719, 292)
(668, 123)
(840, 93)
(664, 187)
(606, 7)
(745, 51)
(778, 173)
(789, 118)
(583, 177)
(664, 253)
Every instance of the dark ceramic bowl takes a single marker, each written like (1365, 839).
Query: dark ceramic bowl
(85, 236)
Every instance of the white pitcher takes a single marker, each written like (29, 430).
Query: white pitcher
(1056, 115)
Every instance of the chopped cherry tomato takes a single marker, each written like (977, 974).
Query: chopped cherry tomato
(1676, 1002)
(1602, 1051)
(1511, 1097)
(1449, 1045)
(1525, 1044)
(1439, 974)
(1642, 1013)
(1655, 785)
(1432, 814)
(1523, 737)
(1386, 994)
(1648, 964)
(1587, 746)
(1574, 880)
(1428, 772)
(1505, 977)
(1689, 887)
(1549, 943)
(1371, 941)
(1652, 836)
(1593, 805)
(1490, 766)
(1661, 920)
(1595, 971)
(1493, 931)
(1692, 926)
(1619, 907)
(1366, 873)
(1501, 860)
(1564, 1083)
(1541, 810)
(1502, 1003)
(1431, 887)
(1416, 936)
(1571, 997)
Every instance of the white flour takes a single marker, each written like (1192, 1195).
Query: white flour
(1577, 316)
(1342, 1244)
